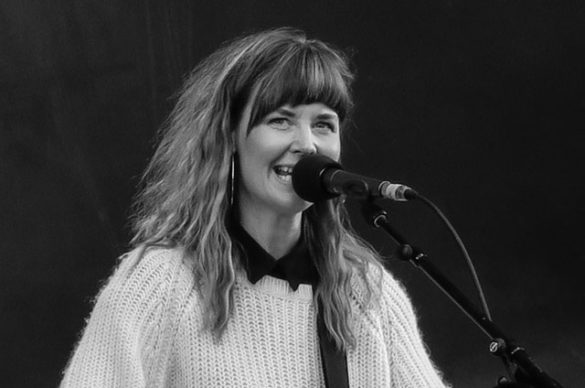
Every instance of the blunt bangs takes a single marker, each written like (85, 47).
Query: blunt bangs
(309, 73)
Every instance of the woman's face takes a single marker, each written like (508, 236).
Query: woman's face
(270, 150)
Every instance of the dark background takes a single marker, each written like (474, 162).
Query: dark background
(478, 105)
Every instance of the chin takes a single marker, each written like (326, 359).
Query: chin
(294, 205)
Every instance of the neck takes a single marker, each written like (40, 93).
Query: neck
(277, 234)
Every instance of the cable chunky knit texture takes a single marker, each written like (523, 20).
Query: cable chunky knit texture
(146, 331)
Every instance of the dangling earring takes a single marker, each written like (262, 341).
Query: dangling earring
(232, 179)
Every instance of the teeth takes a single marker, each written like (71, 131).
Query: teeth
(283, 170)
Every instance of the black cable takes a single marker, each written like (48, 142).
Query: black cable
(470, 265)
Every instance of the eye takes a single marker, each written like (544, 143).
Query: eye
(326, 126)
(279, 122)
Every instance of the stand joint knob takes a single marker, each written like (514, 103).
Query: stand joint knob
(497, 347)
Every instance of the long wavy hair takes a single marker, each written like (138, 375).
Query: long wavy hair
(185, 200)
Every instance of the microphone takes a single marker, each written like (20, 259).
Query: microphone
(316, 178)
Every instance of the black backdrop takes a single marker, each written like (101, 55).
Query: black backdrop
(478, 106)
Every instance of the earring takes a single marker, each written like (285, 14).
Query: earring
(232, 179)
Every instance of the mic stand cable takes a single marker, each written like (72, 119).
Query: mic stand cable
(500, 345)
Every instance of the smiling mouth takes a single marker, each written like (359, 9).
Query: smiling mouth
(284, 173)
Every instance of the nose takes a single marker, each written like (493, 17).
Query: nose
(304, 141)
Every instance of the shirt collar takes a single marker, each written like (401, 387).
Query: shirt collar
(296, 267)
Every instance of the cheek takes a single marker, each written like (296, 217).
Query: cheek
(257, 152)
(262, 145)
(331, 148)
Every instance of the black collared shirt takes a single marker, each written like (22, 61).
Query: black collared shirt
(296, 267)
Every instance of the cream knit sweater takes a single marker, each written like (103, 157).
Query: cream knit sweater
(145, 331)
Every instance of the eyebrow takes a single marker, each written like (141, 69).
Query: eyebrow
(327, 116)
(285, 112)
(322, 116)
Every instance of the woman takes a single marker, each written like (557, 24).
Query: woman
(234, 279)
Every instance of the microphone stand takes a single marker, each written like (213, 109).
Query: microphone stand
(501, 345)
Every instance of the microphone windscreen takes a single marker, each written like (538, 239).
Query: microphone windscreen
(307, 177)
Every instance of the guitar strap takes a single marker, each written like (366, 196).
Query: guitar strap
(333, 359)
